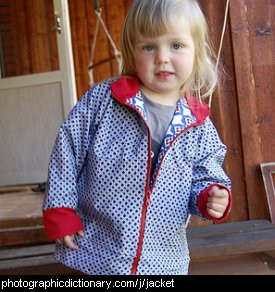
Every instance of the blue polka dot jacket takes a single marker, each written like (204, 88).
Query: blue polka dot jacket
(99, 181)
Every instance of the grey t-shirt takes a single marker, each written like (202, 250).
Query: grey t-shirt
(159, 117)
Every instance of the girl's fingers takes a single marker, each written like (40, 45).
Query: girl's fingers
(80, 233)
(59, 241)
(214, 213)
(215, 192)
(68, 240)
(216, 207)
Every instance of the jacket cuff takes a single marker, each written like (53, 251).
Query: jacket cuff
(59, 222)
(202, 201)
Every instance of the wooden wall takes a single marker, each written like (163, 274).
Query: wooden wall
(225, 111)
(243, 106)
(83, 20)
(253, 38)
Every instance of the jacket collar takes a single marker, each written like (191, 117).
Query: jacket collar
(126, 88)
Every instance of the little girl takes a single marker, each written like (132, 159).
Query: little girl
(139, 153)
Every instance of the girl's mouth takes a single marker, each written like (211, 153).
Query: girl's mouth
(164, 75)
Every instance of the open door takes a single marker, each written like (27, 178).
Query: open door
(37, 85)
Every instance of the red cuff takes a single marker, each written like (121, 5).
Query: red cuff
(59, 222)
(202, 201)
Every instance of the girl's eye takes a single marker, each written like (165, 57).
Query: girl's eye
(148, 48)
(177, 46)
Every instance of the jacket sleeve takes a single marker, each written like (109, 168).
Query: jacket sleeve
(67, 160)
(208, 171)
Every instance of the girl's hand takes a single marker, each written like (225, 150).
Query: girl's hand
(68, 240)
(217, 202)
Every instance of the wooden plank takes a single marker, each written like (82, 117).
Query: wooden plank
(102, 50)
(21, 222)
(17, 205)
(53, 49)
(232, 244)
(262, 39)
(33, 260)
(17, 189)
(27, 262)
(8, 41)
(22, 236)
(251, 95)
(230, 239)
(80, 43)
(24, 51)
(225, 108)
(115, 17)
(229, 228)
(53, 269)
(38, 35)
(23, 252)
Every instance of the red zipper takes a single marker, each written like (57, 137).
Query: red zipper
(146, 203)
(141, 234)
(148, 190)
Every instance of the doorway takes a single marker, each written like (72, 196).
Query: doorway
(37, 85)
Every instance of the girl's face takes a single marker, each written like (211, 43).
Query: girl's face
(164, 63)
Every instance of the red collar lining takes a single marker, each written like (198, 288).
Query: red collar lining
(126, 88)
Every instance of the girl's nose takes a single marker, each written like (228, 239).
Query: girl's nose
(162, 56)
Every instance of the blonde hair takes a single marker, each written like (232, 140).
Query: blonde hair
(153, 18)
